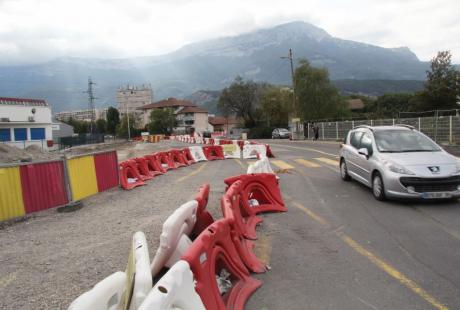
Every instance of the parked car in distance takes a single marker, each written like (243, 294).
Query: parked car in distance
(399, 162)
(281, 133)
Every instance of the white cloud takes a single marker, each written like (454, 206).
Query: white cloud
(39, 30)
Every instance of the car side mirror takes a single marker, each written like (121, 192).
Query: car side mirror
(364, 152)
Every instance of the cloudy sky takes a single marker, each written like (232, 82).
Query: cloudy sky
(39, 30)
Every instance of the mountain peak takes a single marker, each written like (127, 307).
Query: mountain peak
(301, 28)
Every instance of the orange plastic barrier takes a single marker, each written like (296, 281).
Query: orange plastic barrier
(269, 152)
(203, 217)
(187, 155)
(153, 165)
(177, 158)
(260, 192)
(164, 160)
(213, 152)
(213, 253)
(143, 168)
(242, 224)
(129, 175)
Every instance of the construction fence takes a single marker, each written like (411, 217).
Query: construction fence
(442, 129)
(30, 187)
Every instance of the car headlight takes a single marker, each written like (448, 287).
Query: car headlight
(394, 167)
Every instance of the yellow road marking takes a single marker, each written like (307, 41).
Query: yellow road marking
(6, 280)
(311, 214)
(263, 249)
(240, 163)
(392, 272)
(191, 173)
(328, 161)
(305, 148)
(282, 164)
(380, 263)
(307, 163)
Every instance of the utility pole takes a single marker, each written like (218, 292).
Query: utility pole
(295, 119)
(91, 99)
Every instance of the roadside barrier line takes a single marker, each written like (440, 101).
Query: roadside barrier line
(282, 164)
(191, 174)
(306, 149)
(328, 161)
(378, 262)
(307, 163)
(263, 249)
(392, 272)
(6, 280)
(240, 163)
(311, 214)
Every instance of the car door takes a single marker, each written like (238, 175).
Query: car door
(351, 155)
(363, 164)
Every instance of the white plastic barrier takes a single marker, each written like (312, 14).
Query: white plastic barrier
(197, 153)
(143, 277)
(105, 295)
(175, 290)
(216, 141)
(174, 240)
(261, 166)
(206, 140)
(199, 140)
(231, 151)
(251, 151)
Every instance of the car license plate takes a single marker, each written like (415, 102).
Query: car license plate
(436, 195)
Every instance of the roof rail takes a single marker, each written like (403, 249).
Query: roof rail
(404, 125)
(364, 126)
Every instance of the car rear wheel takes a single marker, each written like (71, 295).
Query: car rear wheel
(344, 171)
(378, 188)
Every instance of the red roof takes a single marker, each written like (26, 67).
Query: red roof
(168, 103)
(355, 104)
(192, 110)
(23, 101)
(220, 120)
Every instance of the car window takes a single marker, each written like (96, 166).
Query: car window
(397, 141)
(366, 143)
(355, 138)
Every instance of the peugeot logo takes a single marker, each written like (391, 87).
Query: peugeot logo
(434, 169)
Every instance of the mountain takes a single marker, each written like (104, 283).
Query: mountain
(211, 64)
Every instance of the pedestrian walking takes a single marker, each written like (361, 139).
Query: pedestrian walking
(315, 132)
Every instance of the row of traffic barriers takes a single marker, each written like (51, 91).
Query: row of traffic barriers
(135, 171)
(201, 263)
(232, 148)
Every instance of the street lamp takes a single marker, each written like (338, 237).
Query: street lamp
(127, 117)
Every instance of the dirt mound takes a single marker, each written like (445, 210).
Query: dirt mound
(12, 154)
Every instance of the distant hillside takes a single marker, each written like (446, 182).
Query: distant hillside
(377, 87)
(211, 64)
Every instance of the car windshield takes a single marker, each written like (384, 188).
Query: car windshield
(399, 141)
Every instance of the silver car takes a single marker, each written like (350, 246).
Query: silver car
(281, 133)
(399, 162)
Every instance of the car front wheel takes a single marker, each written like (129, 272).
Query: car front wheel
(344, 171)
(378, 188)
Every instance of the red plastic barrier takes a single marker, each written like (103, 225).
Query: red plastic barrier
(262, 189)
(128, 170)
(269, 151)
(244, 217)
(187, 155)
(211, 253)
(211, 141)
(222, 142)
(106, 165)
(241, 144)
(164, 160)
(241, 223)
(213, 152)
(177, 158)
(153, 165)
(203, 217)
(43, 186)
(142, 168)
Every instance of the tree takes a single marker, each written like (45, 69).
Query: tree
(122, 127)
(162, 121)
(389, 105)
(442, 87)
(276, 103)
(113, 119)
(317, 98)
(242, 99)
(79, 127)
(101, 125)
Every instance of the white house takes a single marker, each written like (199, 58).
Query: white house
(25, 122)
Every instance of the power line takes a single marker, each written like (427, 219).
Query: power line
(91, 99)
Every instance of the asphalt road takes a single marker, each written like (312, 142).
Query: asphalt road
(339, 248)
